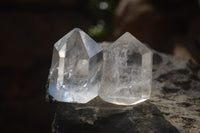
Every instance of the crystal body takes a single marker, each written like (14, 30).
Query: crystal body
(127, 74)
(76, 68)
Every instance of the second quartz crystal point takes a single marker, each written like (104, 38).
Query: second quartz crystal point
(127, 74)
(76, 69)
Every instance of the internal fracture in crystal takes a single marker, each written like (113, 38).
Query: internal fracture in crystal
(76, 69)
(127, 73)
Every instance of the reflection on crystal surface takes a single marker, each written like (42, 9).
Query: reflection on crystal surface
(76, 68)
(127, 73)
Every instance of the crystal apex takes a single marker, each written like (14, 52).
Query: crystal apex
(89, 45)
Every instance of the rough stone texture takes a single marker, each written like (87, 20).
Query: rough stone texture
(174, 106)
(176, 91)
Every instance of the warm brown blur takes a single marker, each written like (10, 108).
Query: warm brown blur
(165, 25)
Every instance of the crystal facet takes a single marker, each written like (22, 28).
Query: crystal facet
(76, 69)
(127, 73)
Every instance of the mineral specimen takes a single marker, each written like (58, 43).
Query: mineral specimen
(127, 73)
(76, 69)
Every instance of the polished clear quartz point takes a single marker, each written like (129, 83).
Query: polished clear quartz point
(76, 69)
(127, 73)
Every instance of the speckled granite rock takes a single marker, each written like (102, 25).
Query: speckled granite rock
(174, 106)
(176, 92)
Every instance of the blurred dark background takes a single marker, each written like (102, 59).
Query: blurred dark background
(29, 29)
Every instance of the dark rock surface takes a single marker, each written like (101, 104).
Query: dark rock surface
(176, 91)
(174, 106)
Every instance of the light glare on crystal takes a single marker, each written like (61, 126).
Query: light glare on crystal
(76, 69)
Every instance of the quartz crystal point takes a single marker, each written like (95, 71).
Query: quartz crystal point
(127, 73)
(76, 69)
